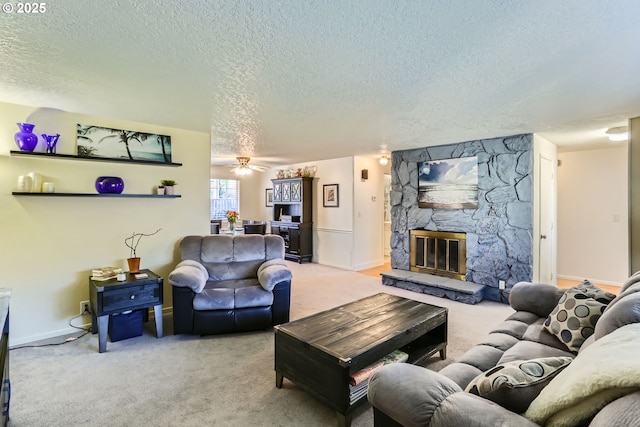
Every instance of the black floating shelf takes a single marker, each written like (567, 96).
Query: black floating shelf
(147, 196)
(90, 159)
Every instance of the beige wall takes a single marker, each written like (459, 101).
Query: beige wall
(593, 215)
(348, 236)
(50, 244)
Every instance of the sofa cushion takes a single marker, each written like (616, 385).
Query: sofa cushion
(574, 318)
(499, 340)
(515, 328)
(253, 296)
(482, 357)
(587, 288)
(537, 332)
(526, 350)
(514, 385)
(460, 373)
(214, 299)
(623, 312)
(536, 298)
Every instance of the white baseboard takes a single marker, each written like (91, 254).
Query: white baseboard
(370, 264)
(67, 331)
(594, 281)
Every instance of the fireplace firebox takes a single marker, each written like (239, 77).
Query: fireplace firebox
(441, 253)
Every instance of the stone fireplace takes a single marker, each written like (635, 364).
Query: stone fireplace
(441, 253)
(499, 242)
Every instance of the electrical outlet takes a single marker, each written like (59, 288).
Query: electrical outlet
(502, 284)
(85, 307)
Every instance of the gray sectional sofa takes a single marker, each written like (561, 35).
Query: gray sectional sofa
(230, 283)
(542, 366)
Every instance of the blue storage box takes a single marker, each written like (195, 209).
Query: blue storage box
(125, 325)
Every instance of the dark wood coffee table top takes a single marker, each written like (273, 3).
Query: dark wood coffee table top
(353, 329)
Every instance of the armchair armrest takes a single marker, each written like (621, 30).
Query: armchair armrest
(416, 396)
(189, 274)
(537, 298)
(272, 272)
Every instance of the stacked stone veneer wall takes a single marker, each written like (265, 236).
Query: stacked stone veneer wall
(499, 231)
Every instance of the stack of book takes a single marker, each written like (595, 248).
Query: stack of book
(105, 273)
(359, 381)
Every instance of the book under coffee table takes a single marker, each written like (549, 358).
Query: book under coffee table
(319, 353)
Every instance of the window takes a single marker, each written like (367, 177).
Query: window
(225, 196)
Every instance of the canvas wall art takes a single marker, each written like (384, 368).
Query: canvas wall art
(96, 141)
(448, 184)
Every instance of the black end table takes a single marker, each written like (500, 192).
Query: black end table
(112, 297)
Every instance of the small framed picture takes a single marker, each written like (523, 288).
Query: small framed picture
(330, 195)
(268, 197)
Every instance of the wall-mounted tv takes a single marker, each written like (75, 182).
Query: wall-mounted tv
(448, 183)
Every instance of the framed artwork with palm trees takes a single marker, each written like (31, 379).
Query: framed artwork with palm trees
(96, 141)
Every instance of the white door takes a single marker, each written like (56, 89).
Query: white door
(546, 237)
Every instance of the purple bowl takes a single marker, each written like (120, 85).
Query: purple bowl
(109, 185)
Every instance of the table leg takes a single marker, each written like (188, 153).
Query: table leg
(157, 312)
(443, 353)
(94, 322)
(343, 420)
(279, 378)
(103, 329)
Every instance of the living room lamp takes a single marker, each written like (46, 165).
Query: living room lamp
(384, 160)
(620, 133)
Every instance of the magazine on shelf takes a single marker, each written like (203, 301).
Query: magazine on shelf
(359, 381)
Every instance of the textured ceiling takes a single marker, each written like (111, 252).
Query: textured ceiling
(300, 80)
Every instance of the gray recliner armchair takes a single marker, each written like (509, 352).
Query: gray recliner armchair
(230, 283)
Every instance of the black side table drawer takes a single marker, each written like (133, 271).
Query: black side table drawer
(123, 298)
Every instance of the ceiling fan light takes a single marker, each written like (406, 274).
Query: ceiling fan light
(384, 160)
(620, 133)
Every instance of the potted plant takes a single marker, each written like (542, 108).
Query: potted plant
(168, 185)
(132, 243)
(160, 190)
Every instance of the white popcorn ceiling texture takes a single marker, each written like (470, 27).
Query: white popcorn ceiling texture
(297, 80)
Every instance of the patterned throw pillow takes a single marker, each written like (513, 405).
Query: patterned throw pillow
(574, 318)
(590, 290)
(514, 385)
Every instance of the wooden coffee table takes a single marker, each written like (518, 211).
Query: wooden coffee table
(320, 352)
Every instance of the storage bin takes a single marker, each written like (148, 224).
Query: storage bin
(125, 325)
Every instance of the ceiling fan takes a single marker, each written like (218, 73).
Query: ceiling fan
(244, 168)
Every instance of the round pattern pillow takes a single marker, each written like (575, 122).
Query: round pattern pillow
(574, 318)
(514, 385)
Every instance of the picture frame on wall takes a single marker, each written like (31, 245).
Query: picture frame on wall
(268, 197)
(330, 196)
(97, 141)
(448, 183)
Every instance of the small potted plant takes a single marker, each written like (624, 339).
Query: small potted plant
(132, 243)
(232, 217)
(168, 185)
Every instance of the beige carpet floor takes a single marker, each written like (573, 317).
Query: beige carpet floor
(224, 380)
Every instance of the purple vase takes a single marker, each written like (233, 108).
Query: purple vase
(26, 139)
(109, 184)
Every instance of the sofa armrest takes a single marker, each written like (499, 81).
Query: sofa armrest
(272, 274)
(466, 409)
(416, 396)
(189, 274)
(537, 298)
(409, 394)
